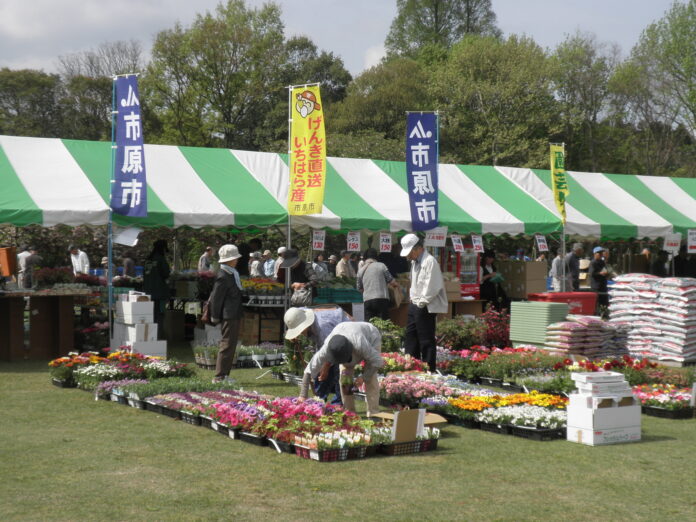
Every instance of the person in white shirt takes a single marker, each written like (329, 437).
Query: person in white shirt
(268, 264)
(428, 298)
(22, 267)
(343, 267)
(348, 344)
(278, 261)
(255, 265)
(80, 261)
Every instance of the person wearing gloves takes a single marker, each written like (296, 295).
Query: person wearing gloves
(348, 344)
(428, 298)
(225, 305)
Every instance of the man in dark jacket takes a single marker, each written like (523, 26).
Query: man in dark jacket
(155, 273)
(225, 306)
(598, 276)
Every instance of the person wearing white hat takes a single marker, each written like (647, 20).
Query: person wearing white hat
(428, 298)
(278, 261)
(255, 264)
(225, 306)
(268, 264)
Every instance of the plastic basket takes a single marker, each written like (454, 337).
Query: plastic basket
(664, 413)
(496, 428)
(401, 448)
(251, 438)
(174, 414)
(190, 418)
(539, 434)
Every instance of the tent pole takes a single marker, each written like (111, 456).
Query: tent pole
(288, 238)
(563, 264)
(110, 230)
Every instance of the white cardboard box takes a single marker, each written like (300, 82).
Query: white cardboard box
(603, 418)
(612, 388)
(600, 437)
(158, 348)
(134, 307)
(141, 332)
(596, 377)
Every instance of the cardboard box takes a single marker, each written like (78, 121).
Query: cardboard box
(156, 348)
(611, 388)
(432, 420)
(603, 418)
(141, 332)
(8, 261)
(597, 377)
(605, 436)
(134, 312)
(453, 286)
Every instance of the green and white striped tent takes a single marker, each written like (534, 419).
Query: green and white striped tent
(52, 181)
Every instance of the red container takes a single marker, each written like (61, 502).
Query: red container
(583, 303)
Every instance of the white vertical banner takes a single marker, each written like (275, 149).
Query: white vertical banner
(542, 246)
(436, 237)
(457, 243)
(691, 241)
(385, 242)
(672, 243)
(353, 242)
(477, 242)
(318, 239)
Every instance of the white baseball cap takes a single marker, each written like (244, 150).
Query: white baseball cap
(407, 244)
(282, 250)
(228, 253)
(297, 320)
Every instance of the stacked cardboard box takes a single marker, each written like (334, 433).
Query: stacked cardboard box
(523, 277)
(454, 290)
(603, 411)
(134, 325)
(256, 329)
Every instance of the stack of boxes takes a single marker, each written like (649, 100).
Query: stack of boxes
(134, 325)
(256, 329)
(603, 411)
(523, 277)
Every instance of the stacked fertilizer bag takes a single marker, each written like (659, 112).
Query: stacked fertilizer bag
(632, 299)
(587, 336)
(597, 335)
(566, 337)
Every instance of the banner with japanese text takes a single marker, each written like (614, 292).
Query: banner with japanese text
(477, 243)
(542, 245)
(559, 180)
(436, 237)
(457, 243)
(307, 152)
(422, 168)
(129, 185)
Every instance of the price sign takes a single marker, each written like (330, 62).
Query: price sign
(691, 241)
(477, 242)
(318, 239)
(542, 246)
(385, 244)
(353, 242)
(672, 243)
(436, 237)
(457, 243)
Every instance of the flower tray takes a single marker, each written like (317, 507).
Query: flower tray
(150, 406)
(174, 414)
(205, 421)
(371, 451)
(429, 444)
(280, 446)
(539, 434)
(136, 403)
(63, 384)
(190, 418)
(513, 388)
(221, 429)
(279, 376)
(463, 422)
(233, 433)
(503, 429)
(400, 448)
(119, 399)
(252, 438)
(205, 366)
(328, 455)
(656, 411)
(489, 381)
(357, 452)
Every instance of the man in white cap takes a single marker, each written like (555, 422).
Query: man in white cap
(278, 261)
(225, 306)
(317, 323)
(348, 344)
(428, 298)
(268, 264)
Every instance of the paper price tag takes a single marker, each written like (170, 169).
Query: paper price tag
(436, 237)
(385, 244)
(353, 242)
(318, 239)
(672, 243)
(477, 242)
(457, 243)
(542, 246)
(691, 241)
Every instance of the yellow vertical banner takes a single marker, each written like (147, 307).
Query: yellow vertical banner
(559, 180)
(307, 152)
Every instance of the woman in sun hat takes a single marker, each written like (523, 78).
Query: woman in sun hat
(225, 305)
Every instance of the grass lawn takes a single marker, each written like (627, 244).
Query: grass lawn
(64, 456)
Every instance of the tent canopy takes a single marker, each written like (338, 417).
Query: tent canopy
(51, 181)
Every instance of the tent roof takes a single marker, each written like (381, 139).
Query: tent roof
(51, 181)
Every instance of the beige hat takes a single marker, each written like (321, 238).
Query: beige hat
(282, 250)
(407, 244)
(228, 253)
(297, 320)
(266, 252)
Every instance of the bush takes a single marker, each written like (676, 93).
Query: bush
(460, 333)
(497, 328)
(392, 335)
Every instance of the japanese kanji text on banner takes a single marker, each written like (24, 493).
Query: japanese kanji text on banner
(422, 169)
(129, 186)
(307, 152)
(559, 179)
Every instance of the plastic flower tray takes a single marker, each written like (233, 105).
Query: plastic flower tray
(252, 438)
(136, 403)
(401, 448)
(280, 446)
(503, 429)
(205, 421)
(233, 433)
(155, 408)
(119, 399)
(357, 452)
(63, 384)
(664, 413)
(539, 434)
(174, 414)
(190, 418)
(221, 429)
(429, 444)
(490, 381)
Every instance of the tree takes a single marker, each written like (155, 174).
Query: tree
(497, 103)
(29, 103)
(107, 60)
(440, 23)
(86, 108)
(581, 72)
(215, 80)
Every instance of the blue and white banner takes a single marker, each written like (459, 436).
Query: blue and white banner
(129, 185)
(422, 168)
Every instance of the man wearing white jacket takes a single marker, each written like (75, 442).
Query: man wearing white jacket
(428, 298)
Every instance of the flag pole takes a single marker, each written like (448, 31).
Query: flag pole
(110, 229)
(286, 300)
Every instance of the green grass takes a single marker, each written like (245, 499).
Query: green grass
(64, 456)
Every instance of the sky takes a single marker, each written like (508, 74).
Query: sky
(34, 33)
